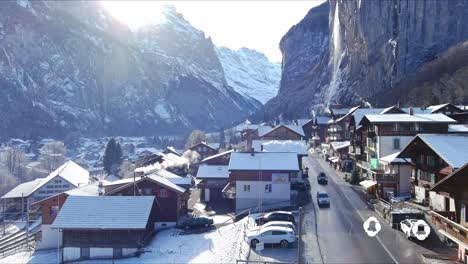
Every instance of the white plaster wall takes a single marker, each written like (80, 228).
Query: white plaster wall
(50, 238)
(101, 252)
(420, 193)
(280, 192)
(71, 253)
(405, 178)
(385, 145)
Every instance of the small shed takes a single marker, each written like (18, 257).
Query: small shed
(104, 227)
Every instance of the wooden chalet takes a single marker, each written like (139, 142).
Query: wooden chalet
(171, 199)
(204, 150)
(453, 224)
(104, 227)
(433, 158)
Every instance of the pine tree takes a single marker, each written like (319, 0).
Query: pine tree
(112, 156)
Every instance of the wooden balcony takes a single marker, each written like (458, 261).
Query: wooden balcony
(386, 177)
(450, 229)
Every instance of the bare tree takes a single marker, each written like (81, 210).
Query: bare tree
(53, 155)
(14, 160)
(126, 169)
(195, 137)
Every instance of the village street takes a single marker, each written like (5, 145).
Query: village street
(341, 237)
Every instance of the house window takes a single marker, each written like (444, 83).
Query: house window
(84, 253)
(147, 191)
(41, 192)
(464, 213)
(54, 210)
(246, 188)
(58, 181)
(396, 143)
(50, 186)
(50, 191)
(163, 193)
(396, 126)
(268, 188)
(65, 186)
(430, 160)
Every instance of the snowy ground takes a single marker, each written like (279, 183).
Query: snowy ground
(221, 245)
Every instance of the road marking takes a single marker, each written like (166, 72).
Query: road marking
(360, 216)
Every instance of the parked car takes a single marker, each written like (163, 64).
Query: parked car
(322, 178)
(407, 225)
(196, 222)
(276, 216)
(272, 235)
(323, 199)
(277, 223)
(300, 186)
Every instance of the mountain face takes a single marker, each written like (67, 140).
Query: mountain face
(250, 73)
(373, 51)
(69, 67)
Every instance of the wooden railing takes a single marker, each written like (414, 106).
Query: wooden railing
(449, 228)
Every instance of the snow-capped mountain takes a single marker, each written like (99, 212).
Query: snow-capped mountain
(70, 67)
(250, 73)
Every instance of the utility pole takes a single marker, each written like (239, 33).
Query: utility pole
(299, 238)
(27, 224)
(4, 216)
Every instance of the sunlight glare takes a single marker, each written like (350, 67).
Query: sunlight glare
(136, 13)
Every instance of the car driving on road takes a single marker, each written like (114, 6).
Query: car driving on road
(322, 178)
(323, 200)
(276, 216)
(272, 235)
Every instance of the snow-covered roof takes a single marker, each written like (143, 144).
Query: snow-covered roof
(23, 189)
(450, 147)
(336, 145)
(393, 158)
(104, 212)
(264, 161)
(214, 145)
(174, 178)
(91, 189)
(164, 182)
(340, 111)
(212, 171)
(296, 128)
(407, 118)
(322, 120)
(302, 122)
(435, 108)
(217, 155)
(262, 130)
(71, 172)
(297, 146)
(458, 128)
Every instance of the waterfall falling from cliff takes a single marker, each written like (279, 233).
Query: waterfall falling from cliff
(336, 57)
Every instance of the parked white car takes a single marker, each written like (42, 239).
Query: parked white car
(277, 223)
(272, 235)
(415, 228)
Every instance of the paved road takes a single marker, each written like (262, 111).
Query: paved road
(341, 238)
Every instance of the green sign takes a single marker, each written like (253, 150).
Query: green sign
(374, 163)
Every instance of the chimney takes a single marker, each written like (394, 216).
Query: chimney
(252, 152)
(100, 188)
(261, 147)
(411, 112)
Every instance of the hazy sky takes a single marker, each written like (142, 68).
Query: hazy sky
(253, 24)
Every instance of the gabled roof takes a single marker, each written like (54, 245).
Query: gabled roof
(435, 108)
(217, 155)
(174, 178)
(104, 212)
(202, 143)
(407, 118)
(262, 130)
(212, 171)
(71, 172)
(458, 128)
(23, 189)
(296, 146)
(295, 128)
(457, 178)
(391, 109)
(286, 161)
(452, 148)
(170, 180)
(164, 182)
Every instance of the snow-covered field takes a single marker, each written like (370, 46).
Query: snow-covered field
(221, 245)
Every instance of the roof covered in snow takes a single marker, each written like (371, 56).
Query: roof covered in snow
(336, 145)
(458, 128)
(297, 146)
(170, 180)
(264, 161)
(393, 158)
(164, 182)
(452, 148)
(104, 212)
(212, 171)
(71, 172)
(217, 155)
(407, 118)
(23, 189)
(262, 130)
